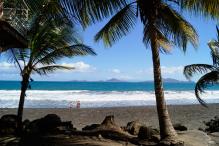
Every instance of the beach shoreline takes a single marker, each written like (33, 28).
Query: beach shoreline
(192, 116)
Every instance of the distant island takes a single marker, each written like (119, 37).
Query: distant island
(165, 80)
(171, 80)
(115, 80)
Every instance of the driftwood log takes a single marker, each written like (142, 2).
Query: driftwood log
(108, 129)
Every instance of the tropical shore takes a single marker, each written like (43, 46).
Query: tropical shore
(192, 116)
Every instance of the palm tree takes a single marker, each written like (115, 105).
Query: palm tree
(163, 28)
(212, 71)
(47, 43)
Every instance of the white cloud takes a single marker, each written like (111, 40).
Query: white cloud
(8, 68)
(164, 69)
(172, 70)
(6, 65)
(80, 67)
(116, 71)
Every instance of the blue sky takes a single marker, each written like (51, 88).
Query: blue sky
(128, 59)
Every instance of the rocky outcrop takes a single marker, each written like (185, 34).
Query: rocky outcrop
(51, 124)
(133, 127)
(180, 127)
(8, 124)
(212, 125)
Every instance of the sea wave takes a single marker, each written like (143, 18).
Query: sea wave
(87, 99)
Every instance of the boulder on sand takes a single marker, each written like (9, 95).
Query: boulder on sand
(180, 127)
(133, 127)
(51, 123)
(8, 124)
(212, 125)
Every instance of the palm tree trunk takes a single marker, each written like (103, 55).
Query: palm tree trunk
(166, 127)
(24, 86)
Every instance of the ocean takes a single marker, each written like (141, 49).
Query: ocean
(99, 94)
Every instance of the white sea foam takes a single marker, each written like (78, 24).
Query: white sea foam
(63, 99)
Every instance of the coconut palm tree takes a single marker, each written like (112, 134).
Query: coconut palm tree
(47, 44)
(212, 71)
(163, 28)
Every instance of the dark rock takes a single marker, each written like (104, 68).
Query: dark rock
(33, 127)
(212, 125)
(9, 120)
(147, 132)
(155, 138)
(91, 127)
(26, 123)
(133, 127)
(8, 124)
(48, 124)
(180, 127)
(66, 127)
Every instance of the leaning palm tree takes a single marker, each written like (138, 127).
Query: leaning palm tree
(163, 28)
(47, 43)
(212, 71)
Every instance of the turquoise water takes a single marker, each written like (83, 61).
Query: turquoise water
(97, 86)
(99, 94)
(100, 86)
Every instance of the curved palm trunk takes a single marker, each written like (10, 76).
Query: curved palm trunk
(166, 127)
(24, 86)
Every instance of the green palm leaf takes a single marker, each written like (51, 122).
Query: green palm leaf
(164, 44)
(205, 81)
(118, 26)
(176, 28)
(207, 8)
(71, 51)
(90, 11)
(192, 69)
(50, 69)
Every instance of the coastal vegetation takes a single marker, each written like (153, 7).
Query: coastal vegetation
(212, 71)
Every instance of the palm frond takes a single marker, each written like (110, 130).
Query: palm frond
(176, 28)
(49, 37)
(189, 70)
(164, 44)
(71, 51)
(206, 8)
(50, 69)
(214, 46)
(14, 56)
(90, 11)
(118, 26)
(205, 81)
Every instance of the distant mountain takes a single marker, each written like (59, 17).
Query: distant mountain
(110, 80)
(171, 80)
(114, 80)
(166, 80)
